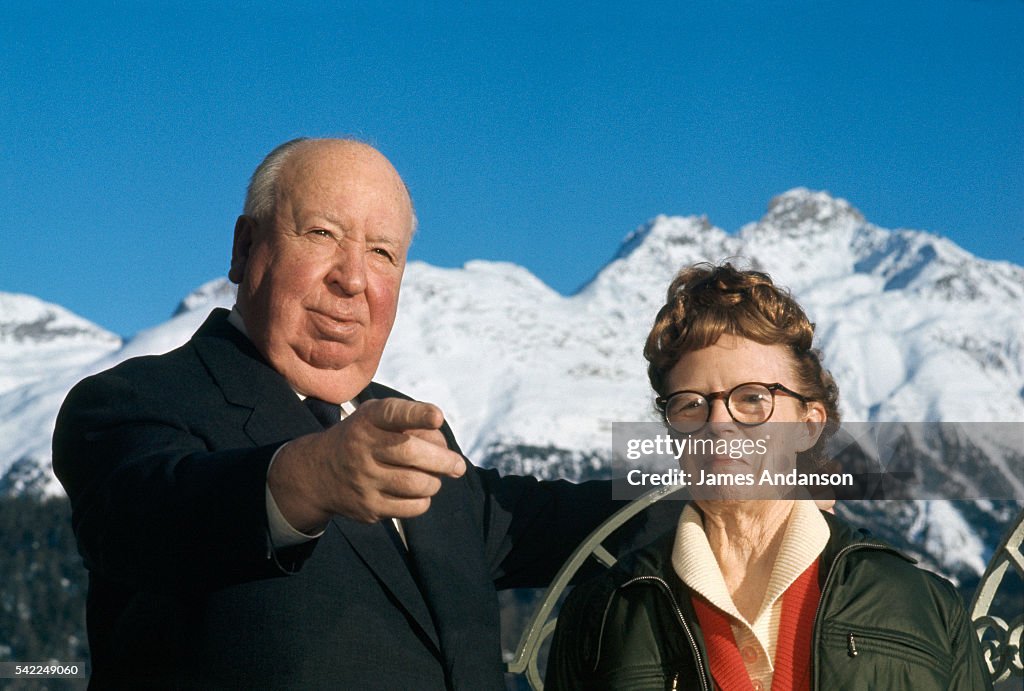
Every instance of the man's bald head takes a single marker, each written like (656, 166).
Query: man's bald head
(261, 195)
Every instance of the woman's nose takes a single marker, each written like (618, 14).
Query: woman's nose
(719, 418)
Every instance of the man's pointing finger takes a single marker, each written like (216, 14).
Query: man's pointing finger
(399, 415)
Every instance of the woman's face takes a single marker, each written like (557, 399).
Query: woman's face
(727, 451)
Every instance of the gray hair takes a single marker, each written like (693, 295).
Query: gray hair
(261, 195)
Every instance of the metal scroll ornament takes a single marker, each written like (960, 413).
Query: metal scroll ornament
(1001, 639)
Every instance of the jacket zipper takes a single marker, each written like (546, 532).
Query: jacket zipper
(851, 645)
(682, 622)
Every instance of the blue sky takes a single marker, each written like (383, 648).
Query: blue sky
(528, 133)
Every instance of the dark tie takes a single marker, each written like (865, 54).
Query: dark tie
(330, 414)
(327, 413)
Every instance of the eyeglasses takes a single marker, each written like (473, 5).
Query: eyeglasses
(749, 404)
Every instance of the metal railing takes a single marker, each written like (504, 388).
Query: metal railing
(1001, 639)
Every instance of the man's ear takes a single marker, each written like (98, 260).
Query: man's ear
(812, 425)
(245, 229)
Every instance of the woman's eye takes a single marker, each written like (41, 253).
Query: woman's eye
(688, 406)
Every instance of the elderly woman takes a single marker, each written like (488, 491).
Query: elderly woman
(753, 592)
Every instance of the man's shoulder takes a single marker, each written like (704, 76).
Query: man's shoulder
(170, 374)
(149, 371)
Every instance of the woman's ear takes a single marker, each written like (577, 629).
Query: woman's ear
(811, 425)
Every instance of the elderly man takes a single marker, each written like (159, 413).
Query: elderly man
(237, 534)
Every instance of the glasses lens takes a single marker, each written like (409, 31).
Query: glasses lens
(751, 403)
(687, 411)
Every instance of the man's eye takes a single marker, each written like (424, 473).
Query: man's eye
(321, 232)
(383, 253)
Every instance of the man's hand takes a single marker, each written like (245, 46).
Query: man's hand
(385, 460)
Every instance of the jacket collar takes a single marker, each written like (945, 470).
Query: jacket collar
(247, 380)
(844, 537)
(656, 558)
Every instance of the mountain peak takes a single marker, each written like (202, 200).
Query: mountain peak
(660, 247)
(800, 208)
(667, 231)
(209, 294)
(28, 320)
(38, 338)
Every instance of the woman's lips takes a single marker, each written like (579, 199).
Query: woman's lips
(724, 464)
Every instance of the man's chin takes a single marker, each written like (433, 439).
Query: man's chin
(332, 356)
(329, 378)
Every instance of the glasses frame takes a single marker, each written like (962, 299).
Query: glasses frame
(663, 401)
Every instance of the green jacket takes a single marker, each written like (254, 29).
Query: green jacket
(882, 623)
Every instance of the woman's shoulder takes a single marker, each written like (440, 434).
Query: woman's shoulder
(653, 560)
(908, 620)
(607, 619)
(858, 545)
(865, 563)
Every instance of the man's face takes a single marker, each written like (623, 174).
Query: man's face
(319, 282)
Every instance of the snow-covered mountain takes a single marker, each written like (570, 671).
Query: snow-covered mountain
(38, 338)
(913, 327)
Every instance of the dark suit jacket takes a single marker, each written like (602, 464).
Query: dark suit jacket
(165, 461)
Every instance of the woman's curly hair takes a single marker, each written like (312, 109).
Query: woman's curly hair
(706, 301)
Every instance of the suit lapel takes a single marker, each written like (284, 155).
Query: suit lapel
(276, 415)
(381, 556)
(454, 579)
(452, 574)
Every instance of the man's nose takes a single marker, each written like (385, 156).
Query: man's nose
(349, 269)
